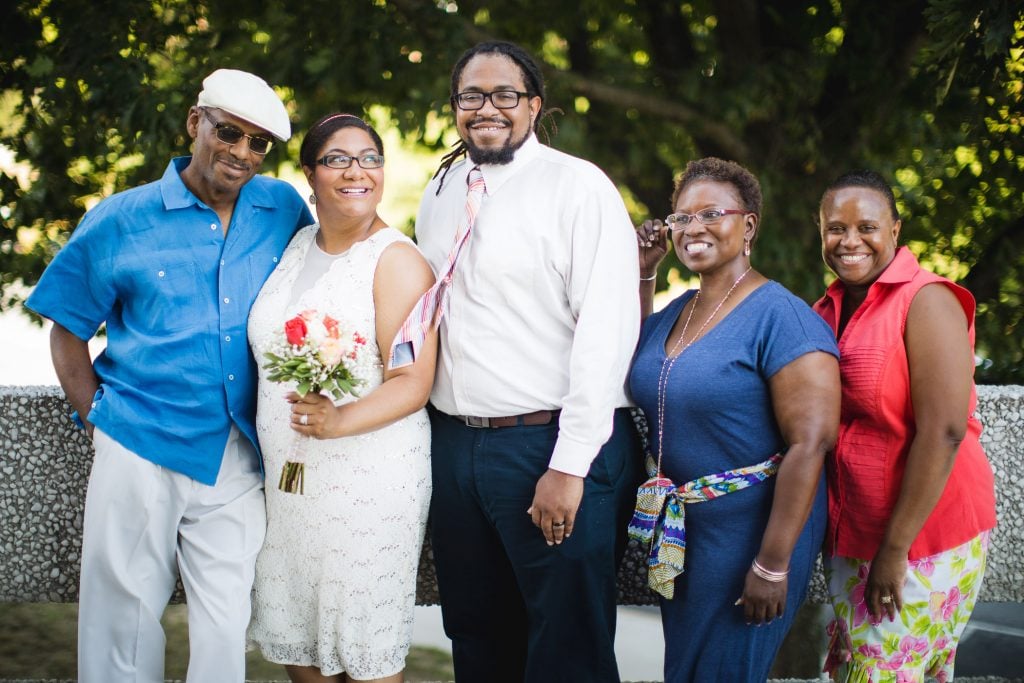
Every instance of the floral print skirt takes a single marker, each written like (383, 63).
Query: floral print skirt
(938, 599)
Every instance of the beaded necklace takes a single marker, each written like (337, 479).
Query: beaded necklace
(677, 350)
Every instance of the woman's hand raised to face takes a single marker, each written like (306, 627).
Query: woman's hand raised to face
(652, 243)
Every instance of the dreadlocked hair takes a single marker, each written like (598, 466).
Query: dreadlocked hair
(532, 77)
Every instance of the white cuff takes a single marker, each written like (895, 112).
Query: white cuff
(572, 457)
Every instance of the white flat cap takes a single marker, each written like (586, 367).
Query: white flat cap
(249, 98)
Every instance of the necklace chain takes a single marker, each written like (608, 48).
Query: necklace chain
(677, 350)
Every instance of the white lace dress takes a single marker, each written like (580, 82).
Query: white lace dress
(336, 579)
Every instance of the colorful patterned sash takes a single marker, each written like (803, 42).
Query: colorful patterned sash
(660, 515)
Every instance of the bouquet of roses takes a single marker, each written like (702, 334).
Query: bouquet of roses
(318, 354)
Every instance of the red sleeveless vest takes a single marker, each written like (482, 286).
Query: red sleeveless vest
(877, 425)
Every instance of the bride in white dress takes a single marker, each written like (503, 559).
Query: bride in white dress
(336, 579)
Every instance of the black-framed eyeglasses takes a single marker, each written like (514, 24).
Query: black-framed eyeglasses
(501, 99)
(345, 161)
(232, 135)
(678, 221)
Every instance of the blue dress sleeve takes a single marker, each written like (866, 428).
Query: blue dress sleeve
(792, 330)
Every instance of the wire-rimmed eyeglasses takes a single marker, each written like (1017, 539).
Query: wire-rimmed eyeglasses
(678, 221)
(345, 161)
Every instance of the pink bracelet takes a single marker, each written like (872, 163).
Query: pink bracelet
(766, 574)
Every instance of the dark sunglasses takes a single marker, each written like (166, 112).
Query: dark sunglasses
(232, 135)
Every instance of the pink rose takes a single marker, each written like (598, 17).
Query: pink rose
(331, 325)
(331, 351)
(295, 331)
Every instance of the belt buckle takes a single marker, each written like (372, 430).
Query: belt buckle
(478, 422)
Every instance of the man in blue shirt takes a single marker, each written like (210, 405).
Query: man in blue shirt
(172, 268)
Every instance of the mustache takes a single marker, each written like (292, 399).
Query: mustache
(231, 161)
(498, 119)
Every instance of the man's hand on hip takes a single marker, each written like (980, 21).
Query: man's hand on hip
(555, 503)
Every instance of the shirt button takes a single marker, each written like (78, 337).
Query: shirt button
(231, 377)
(160, 274)
(227, 300)
(213, 226)
(222, 262)
(227, 338)
(92, 405)
(275, 259)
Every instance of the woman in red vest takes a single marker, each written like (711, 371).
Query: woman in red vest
(911, 494)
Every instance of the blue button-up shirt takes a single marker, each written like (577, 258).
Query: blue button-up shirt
(155, 265)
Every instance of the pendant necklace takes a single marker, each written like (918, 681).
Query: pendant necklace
(677, 350)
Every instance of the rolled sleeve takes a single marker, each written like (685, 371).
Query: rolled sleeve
(76, 290)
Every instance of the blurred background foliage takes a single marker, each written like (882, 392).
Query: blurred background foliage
(94, 94)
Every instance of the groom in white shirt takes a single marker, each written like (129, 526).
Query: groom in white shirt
(535, 459)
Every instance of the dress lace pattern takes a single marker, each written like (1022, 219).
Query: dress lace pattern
(336, 579)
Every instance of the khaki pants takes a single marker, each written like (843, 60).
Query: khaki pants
(145, 524)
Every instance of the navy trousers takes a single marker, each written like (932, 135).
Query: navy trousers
(516, 609)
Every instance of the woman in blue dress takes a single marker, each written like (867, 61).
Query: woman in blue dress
(740, 385)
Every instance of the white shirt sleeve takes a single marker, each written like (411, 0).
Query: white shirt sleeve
(602, 290)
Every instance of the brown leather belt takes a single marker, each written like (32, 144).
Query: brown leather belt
(537, 417)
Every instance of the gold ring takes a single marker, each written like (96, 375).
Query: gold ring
(558, 524)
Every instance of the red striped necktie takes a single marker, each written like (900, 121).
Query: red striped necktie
(426, 314)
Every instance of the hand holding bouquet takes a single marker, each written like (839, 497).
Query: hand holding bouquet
(318, 354)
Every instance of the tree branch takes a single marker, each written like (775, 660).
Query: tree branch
(719, 134)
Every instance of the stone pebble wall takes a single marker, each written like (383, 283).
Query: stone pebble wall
(45, 461)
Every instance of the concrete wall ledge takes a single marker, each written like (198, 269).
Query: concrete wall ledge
(45, 462)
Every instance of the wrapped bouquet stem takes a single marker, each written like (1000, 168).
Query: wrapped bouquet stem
(293, 474)
(319, 354)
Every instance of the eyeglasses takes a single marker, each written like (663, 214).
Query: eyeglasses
(232, 135)
(345, 161)
(678, 221)
(501, 99)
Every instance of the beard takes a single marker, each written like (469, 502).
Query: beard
(500, 155)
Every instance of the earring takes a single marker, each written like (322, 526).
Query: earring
(312, 198)
(746, 247)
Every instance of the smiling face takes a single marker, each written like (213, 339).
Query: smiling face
(702, 248)
(217, 169)
(352, 192)
(858, 234)
(493, 135)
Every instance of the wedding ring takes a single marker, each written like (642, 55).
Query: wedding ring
(558, 524)
(886, 599)
(304, 420)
